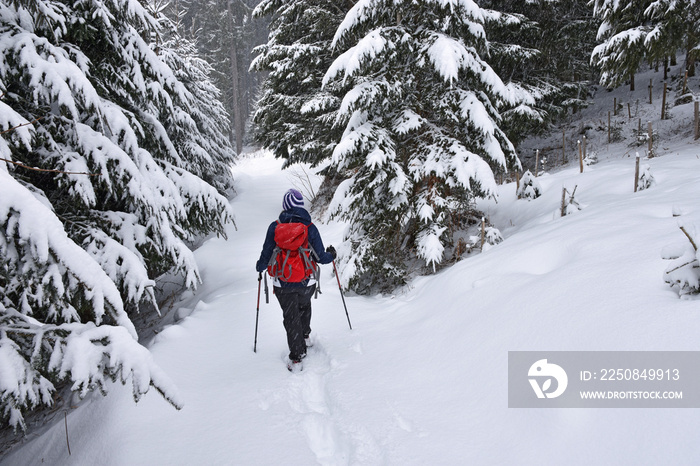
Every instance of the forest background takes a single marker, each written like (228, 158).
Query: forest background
(120, 121)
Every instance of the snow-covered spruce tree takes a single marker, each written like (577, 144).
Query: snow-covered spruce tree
(295, 117)
(526, 111)
(201, 129)
(545, 48)
(78, 251)
(422, 136)
(622, 34)
(61, 316)
(675, 26)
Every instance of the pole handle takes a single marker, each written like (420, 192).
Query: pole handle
(267, 292)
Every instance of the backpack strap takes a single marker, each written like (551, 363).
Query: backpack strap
(312, 262)
(315, 269)
(275, 251)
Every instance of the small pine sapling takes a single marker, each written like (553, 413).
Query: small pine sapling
(493, 236)
(616, 132)
(641, 138)
(590, 159)
(488, 236)
(529, 187)
(646, 179)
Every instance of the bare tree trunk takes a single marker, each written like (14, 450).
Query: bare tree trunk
(237, 123)
(632, 81)
(690, 63)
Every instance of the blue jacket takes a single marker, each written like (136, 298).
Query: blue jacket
(294, 215)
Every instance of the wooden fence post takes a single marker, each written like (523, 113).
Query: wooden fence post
(585, 145)
(636, 173)
(563, 201)
(537, 162)
(609, 128)
(650, 132)
(651, 86)
(580, 156)
(697, 119)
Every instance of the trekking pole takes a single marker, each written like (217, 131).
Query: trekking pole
(341, 294)
(257, 312)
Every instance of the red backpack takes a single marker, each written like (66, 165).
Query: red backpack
(291, 260)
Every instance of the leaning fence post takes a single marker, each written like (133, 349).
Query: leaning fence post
(563, 201)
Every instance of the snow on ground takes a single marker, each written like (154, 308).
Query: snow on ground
(422, 377)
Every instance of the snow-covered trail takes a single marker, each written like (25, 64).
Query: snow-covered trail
(241, 407)
(422, 377)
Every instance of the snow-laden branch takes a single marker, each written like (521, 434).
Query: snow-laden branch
(368, 48)
(44, 240)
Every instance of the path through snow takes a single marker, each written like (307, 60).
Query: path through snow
(240, 406)
(422, 377)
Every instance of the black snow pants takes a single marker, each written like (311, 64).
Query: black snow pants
(296, 312)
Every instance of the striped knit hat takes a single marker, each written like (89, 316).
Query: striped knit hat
(292, 198)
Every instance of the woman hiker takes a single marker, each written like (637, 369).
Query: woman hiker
(291, 253)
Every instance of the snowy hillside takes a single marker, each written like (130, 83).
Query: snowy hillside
(422, 377)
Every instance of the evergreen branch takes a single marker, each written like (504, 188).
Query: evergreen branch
(19, 126)
(48, 169)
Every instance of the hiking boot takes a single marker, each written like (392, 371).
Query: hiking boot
(295, 365)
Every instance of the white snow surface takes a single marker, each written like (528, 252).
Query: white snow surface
(422, 377)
